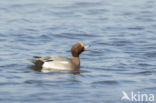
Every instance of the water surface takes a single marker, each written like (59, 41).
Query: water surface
(122, 56)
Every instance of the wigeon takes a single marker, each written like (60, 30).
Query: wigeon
(50, 63)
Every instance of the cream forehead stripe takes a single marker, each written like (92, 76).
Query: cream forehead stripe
(81, 44)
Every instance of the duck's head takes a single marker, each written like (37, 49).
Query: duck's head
(77, 49)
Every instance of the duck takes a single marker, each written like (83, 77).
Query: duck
(51, 63)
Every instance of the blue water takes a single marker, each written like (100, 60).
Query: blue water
(122, 57)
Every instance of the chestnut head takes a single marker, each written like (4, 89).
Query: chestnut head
(77, 49)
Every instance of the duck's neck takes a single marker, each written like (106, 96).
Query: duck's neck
(75, 61)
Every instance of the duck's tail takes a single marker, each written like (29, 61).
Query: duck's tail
(37, 61)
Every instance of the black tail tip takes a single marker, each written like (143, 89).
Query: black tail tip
(36, 57)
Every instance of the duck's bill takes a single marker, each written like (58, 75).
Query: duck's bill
(87, 47)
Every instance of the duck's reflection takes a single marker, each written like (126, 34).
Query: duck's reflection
(40, 69)
(36, 68)
(55, 72)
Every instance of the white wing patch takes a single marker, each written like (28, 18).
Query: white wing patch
(63, 62)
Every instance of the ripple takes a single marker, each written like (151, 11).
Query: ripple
(87, 4)
(145, 72)
(122, 43)
(144, 64)
(153, 81)
(107, 82)
(8, 65)
(128, 13)
(128, 81)
(4, 9)
(97, 11)
(22, 20)
(74, 35)
(32, 81)
(96, 52)
(8, 83)
(150, 88)
(136, 28)
(150, 54)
